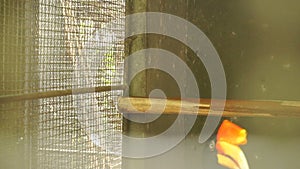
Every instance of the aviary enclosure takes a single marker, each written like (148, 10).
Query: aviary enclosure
(47, 48)
(81, 78)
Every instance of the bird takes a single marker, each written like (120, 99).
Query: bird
(229, 137)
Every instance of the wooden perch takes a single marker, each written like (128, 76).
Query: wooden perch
(56, 93)
(233, 108)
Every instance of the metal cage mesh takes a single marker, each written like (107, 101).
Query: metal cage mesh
(57, 46)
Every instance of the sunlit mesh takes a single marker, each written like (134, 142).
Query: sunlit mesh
(49, 47)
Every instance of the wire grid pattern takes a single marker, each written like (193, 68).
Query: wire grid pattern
(12, 80)
(49, 45)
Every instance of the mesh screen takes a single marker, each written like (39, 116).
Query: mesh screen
(49, 48)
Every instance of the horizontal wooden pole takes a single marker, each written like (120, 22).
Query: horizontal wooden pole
(56, 93)
(233, 108)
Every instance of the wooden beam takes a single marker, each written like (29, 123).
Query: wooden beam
(233, 108)
(56, 93)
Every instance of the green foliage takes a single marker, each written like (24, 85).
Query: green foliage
(108, 67)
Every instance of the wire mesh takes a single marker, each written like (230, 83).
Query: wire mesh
(55, 45)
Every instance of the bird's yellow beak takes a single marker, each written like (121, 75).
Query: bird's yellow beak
(232, 133)
(229, 137)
